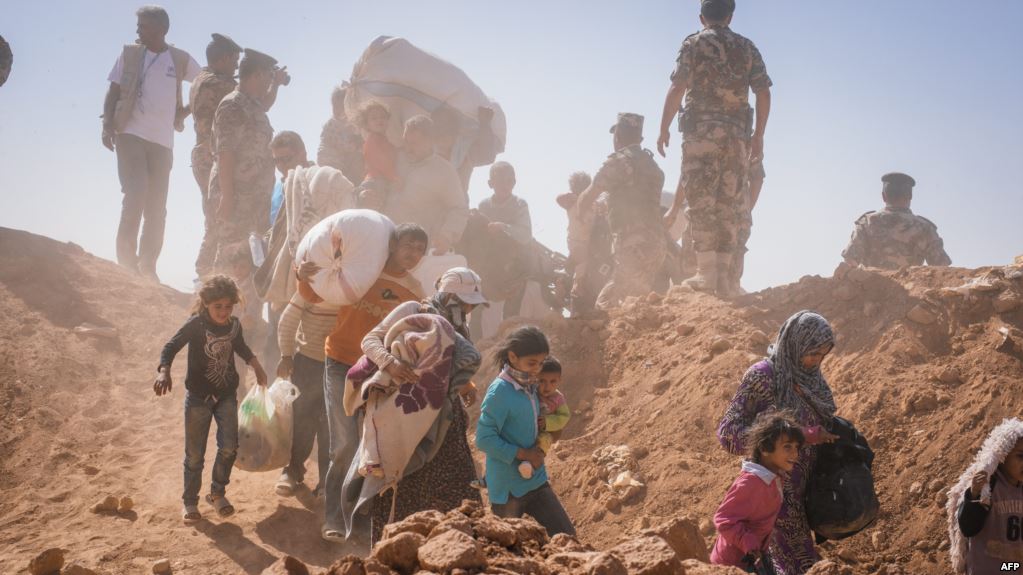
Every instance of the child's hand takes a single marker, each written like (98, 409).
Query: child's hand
(306, 271)
(163, 383)
(260, 374)
(534, 456)
(468, 394)
(284, 367)
(401, 372)
(980, 479)
(541, 422)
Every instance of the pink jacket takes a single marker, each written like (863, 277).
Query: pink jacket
(745, 518)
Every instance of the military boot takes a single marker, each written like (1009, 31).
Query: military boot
(726, 280)
(706, 278)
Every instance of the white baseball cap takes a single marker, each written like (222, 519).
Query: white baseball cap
(464, 283)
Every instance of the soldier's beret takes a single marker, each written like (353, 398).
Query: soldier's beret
(721, 6)
(629, 121)
(897, 182)
(222, 41)
(258, 59)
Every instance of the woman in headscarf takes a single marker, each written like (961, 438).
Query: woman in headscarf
(789, 379)
(440, 473)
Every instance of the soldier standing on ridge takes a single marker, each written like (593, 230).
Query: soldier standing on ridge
(211, 85)
(715, 71)
(633, 182)
(242, 179)
(895, 237)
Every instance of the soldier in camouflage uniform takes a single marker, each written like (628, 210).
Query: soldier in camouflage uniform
(242, 179)
(633, 183)
(895, 237)
(341, 142)
(715, 70)
(211, 85)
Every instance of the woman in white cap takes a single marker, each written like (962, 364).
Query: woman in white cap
(439, 476)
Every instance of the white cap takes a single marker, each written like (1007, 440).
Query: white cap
(464, 283)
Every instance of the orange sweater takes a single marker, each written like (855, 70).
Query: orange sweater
(344, 344)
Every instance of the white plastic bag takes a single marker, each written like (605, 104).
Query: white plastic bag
(362, 237)
(265, 424)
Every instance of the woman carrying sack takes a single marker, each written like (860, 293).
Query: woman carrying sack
(789, 379)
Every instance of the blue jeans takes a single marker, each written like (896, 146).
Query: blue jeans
(344, 439)
(310, 419)
(198, 414)
(542, 503)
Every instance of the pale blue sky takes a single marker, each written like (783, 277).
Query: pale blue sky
(928, 87)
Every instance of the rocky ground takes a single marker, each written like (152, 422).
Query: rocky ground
(927, 360)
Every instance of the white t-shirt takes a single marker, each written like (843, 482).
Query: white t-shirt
(153, 116)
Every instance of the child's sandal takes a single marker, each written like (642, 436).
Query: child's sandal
(220, 503)
(190, 514)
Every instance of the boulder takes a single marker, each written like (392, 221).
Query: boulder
(682, 534)
(76, 568)
(454, 522)
(452, 550)
(162, 567)
(400, 552)
(48, 562)
(648, 555)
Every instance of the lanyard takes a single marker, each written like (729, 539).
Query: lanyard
(145, 71)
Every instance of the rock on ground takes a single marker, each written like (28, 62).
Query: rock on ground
(452, 550)
(48, 562)
(649, 555)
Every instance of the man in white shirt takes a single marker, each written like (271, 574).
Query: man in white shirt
(142, 109)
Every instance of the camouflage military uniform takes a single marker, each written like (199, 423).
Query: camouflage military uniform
(754, 172)
(207, 91)
(341, 148)
(634, 184)
(719, 67)
(893, 238)
(241, 126)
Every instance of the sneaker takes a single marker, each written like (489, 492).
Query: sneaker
(286, 484)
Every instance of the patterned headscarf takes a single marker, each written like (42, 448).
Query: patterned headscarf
(449, 307)
(801, 333)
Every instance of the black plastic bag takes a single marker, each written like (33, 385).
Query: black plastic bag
(840, 497)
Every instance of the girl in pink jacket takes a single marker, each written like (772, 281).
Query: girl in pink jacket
(745, 518)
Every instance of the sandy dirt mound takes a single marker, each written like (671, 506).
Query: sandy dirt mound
(79, 422)
(927, 361)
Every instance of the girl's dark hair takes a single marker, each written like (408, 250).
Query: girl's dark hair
(527, 340)
(551, 365)
(766, 430)
(214, 288)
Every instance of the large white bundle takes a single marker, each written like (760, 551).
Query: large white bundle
(351, 248)
(411, 81)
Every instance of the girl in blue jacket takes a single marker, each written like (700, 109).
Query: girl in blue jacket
(507, 432)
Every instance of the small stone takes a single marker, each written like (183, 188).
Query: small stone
(916, 488)
(644, 522)
(935, 485)
(949, 375)
(660, 386)
(77, 569)
(288, 565)
(641, 451)
(707, 527)
(720, 345)
(653, 418)
(876, 541)
(940, 498)
(496, 530)
(162, 567)
(922, 545)
(921, 315)
(107, 505)
(48, 562)
(613, 504)
(758, 338)
(127, 504)
(684, 329)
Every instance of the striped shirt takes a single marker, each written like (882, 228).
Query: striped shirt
(304, 327)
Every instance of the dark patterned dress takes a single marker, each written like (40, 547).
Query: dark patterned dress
(441, 484)
(792, 549)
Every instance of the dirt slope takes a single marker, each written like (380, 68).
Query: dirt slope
(659, 376)
(79, 421)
